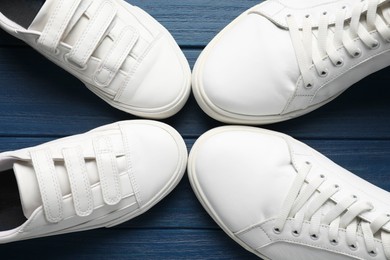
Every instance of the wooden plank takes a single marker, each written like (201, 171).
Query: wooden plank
(40, 102)
(131, 244)
(44, 100)
(192, 23)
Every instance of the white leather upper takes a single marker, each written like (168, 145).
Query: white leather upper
(250, 73)
(243, 175)
(97, 179)
(232, 183)
(120, 52)
(245, 73)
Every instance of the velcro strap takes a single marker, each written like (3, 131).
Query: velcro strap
(108, 171)
(93, 34)
(57, 24)
(116, 56)
(49, 185)
(79, 181)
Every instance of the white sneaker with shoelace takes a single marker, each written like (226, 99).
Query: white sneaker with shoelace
(284, 58)
(280, 199)
(97, 179)
(117, 50)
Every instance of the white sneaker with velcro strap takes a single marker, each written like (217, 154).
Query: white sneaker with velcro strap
(97, 179)
(280, 199)
(284, 58)
(117, 50)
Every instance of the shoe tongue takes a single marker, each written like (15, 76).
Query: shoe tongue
(28, 188)
(43, 15)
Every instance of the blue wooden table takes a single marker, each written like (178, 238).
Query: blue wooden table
(39, 102)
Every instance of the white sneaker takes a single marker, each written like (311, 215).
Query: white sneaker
(284, 58)
(280, 199)
(98, 179)
(117, 50)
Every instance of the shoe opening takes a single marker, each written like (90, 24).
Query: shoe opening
(11, 213)
(21, 12)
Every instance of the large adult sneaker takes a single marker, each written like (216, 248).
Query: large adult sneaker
(117, 50)
(280, 199)
(98, 179)
(284, 58)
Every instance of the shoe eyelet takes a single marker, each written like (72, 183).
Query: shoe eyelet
(322, 176)
(355, 197)
(314, 236)
(344, 7)
(334, 242)
(324, 73)
(339, 63)
(276, 230)
(353, 247)
(72, 64)
(288, 15)
(325, 13)
(295, 233)
(307, 16)
(308, 86)
(375, 45)
(336, 186)
(357, 54)
(373, 253)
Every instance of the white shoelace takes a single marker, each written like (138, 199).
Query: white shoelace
(311, 50)
(343, 215)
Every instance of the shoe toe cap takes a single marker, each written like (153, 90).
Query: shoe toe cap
(161, 82)
(157, 159)
(251, 69)
(243, 175)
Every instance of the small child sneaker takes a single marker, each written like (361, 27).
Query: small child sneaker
(280, 199)
(98, 179)
(117, 50)
(284, 58)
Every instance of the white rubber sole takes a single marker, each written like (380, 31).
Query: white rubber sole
(225, 116)
(192, 175)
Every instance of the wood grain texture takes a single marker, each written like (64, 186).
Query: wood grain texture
(40, 102)
(45, 100)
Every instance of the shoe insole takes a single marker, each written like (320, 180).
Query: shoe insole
(21, 12)
(11, 213)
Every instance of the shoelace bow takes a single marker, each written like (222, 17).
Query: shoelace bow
(343, 215)
(333, 36)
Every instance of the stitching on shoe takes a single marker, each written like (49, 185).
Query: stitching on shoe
(130, 170)
(51, 20)
(135, 68)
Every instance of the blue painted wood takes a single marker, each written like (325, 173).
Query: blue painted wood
(143, 244)
(39, 98)
(39, 102)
